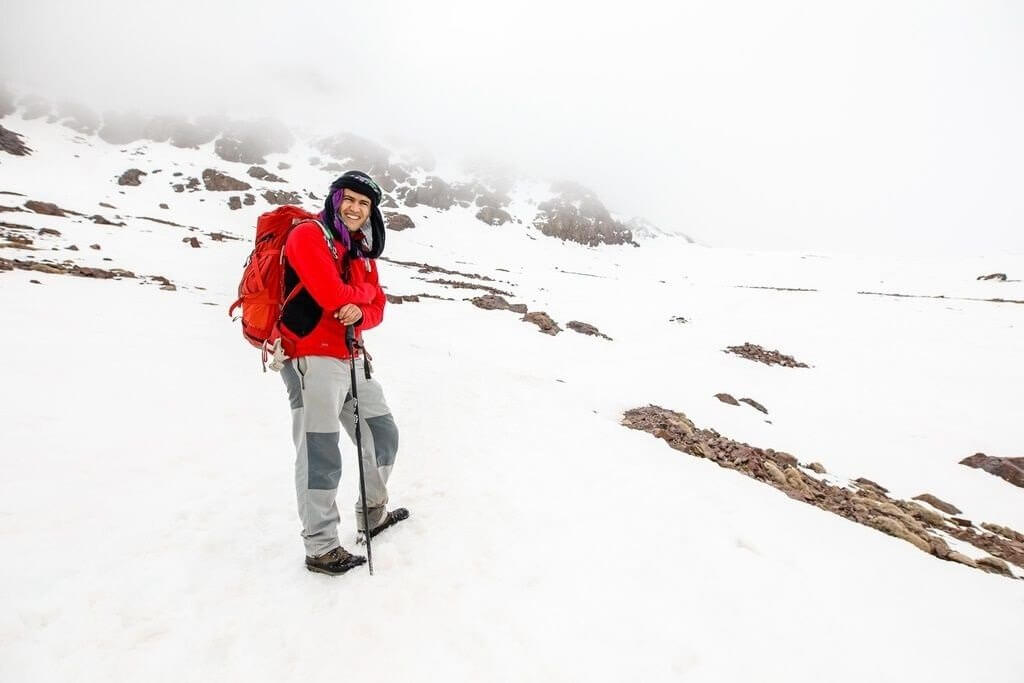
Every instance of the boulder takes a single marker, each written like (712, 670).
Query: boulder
(398, 221)
(215, 181)
(132, 176)
(543, 321)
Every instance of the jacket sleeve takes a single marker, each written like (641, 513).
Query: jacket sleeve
(373, 312)
(307, 253)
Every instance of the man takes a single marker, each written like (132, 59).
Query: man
(332, 284)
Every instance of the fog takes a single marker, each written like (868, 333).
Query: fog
(856, 126)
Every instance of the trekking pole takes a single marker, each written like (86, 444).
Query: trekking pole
(350, 342)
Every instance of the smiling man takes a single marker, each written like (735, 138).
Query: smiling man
(332, 272)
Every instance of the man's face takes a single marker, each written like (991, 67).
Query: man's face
(354, 210)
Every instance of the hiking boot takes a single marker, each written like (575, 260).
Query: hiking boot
(334, 562)
(393, 517)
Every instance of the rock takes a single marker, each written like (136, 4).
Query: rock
(261, 173)
(954, 556)
(493, 302)
(1006, 532)
(190, 135)
(49, 231)
(235, 202)
(543, 321)
(248, 199)
(73, 247)
(795, 479)
(100, 220)
(401, 299)
(434, 192)
(192, 242)
(678, 319)
(1009, 469)
(78, 117)
(216, 181)
(939, 504)
(281, 197)
(164, 206)
(95, 246)
(398, 221)
(248, 142)
(817, 467)
(993, 276)
(867, 483)
(727, 398)
(758, 354)
(586, 328)
(754, 404)
(13, 143)
(283, 166)
(895, 528)
(575, 214)
(926, 515)
(995, 566)
(356, 153)
(775, 473)
(493, 216)
(48, 209)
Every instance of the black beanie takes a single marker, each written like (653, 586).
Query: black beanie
(360, 182)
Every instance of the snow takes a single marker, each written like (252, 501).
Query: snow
(147, 508)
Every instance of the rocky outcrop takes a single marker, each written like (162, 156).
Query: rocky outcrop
(13, 143)
(939, 504)
(727, 398)
(468, 285)
(587, 329)
(756, 353)
(132, 176)
(493, 216)
(48, 209)
(862, 501)
(397, 221)
(1009, 469)
(215, 181)
(755, 405)
(191, 135)
(65, 269)
(261, 173)
(249, 142)
(491, 302)
(993, 276)
(427, 268)
(433, 192)
(543, 321)
(234, 203)
(575, 214)
(78, 117)
(282, 197)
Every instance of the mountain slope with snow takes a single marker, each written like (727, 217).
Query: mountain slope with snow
(147, 510)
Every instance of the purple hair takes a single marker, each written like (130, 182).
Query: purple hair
(332, 220)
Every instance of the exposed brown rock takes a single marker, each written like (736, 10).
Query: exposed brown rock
(678, 319)
(587, 329)
(434, 192)
(13, 143)
(995, 566)
(469, 285)
(868, 484)
(49, 231)
(215, 181)
(756, 353)
(575, 214)
(939, 504)
(282, 197)
(397, 221)
(816, 467)
(48, 209)
(543, 321)
(248, 142)
(1010, 469)
(65, 269)
(1004, 531)
(192, 242)
(867, 504)
(261, 173)
(132, 176)
(754, 404)
(234, 202)
(248, 199)
(493, 216)
(492, 302)
(993, 276)
(727, 398)
(427, 268)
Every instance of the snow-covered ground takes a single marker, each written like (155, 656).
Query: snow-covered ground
(147, 515)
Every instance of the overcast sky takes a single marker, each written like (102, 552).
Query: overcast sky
(849, 126)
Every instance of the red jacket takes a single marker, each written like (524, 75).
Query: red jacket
(308, 325)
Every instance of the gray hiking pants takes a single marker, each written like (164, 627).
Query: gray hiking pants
(320, 397)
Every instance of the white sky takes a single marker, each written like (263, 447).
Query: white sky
(852, 126)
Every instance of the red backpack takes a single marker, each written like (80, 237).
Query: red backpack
(261, 291)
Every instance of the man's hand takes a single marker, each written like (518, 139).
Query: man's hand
(349, 314)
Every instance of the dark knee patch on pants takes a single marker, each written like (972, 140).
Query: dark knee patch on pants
(385, 439)
(324, 460)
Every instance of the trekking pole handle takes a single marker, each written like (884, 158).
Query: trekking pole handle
(350, 337)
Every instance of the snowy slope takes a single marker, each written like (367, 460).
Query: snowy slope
(147, 510)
